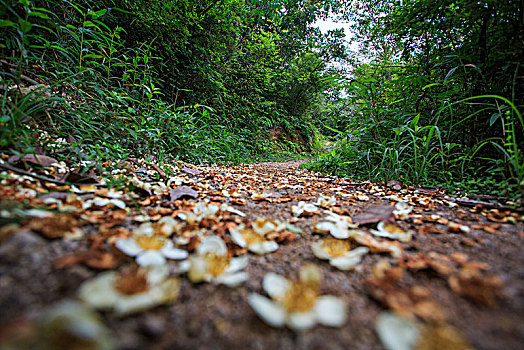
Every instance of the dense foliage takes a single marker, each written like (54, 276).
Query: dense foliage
(438, 97)
(206, 81)
(434, 94)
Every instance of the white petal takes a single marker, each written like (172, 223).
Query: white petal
(212, 244)
(275, 285)
(331, 311)
(232, 280)
(324, 226)
(168, 220)
(150, 257)
(98, 292)
(395, 332)
(198, 270)
(212, 209)
(267, 310)
(360, 251)
(37, 213)
(101, 202)
(237, 264)
(118, 203)
(310, 208)
(183, 267)
(168, 244)
(129, 246)
(174, 253)
(157, 273)
(237, 237)
(334, 217)
(350, 259)
(297, 211)
(199, 208)
(264, 247)
(77, 320)
(181, 240)
(264, 226)
(113, 194)
(382, 231)
(235, 211)
(339, 232)
(395, 251)
(146, 229)
(345, 263)
(301, 321)
(126, 305)
(319, 252)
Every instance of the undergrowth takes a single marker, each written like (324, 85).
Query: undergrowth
(394, 146)
(73, 87)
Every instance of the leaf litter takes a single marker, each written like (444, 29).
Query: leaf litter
(197, 248)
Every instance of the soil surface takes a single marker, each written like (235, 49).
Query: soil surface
(463, 266)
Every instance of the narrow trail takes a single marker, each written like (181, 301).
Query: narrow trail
(456, 269)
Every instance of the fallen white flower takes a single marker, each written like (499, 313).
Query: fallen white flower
(396, 332)
(102, 202)
(211, 263)
(225, 207)
(130, 291)
(339, 253)
(391, 231)
(326, 201)
(253, 240)
(338, 226)
(150, 249)
(303, 208)
(79, 324)
(297, 304)
(164, 227)
(402, 209)
(265, 226)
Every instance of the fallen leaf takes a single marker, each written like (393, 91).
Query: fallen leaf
(489, 228)
(36, 159)
(407, 301)
(190, 171)
(182, 191)
(426, 229)
(438, 262)
(76, 176)
(56, 226)
(441, 336)
(92, 258)
(376, 246)
(159, 171)
(477, 287)
(374, 215)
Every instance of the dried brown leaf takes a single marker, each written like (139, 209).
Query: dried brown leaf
(182, 191)
(472, 284)
(375, 214)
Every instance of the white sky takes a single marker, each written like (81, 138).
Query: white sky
(326, 25)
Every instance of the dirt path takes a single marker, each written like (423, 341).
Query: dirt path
(460, 275)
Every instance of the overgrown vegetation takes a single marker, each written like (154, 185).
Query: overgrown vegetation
(438, 98)
(434, 96)
(204, 81)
